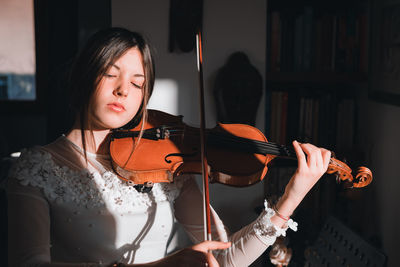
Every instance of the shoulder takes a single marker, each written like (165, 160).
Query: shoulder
(20, 167)
(33, 167)
(26, 173)
(36, 168)
(36, 161)
(30, 163)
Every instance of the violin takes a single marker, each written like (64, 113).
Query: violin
(237, 154)
(231, 154)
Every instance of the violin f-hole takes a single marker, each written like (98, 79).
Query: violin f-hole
(183, 155)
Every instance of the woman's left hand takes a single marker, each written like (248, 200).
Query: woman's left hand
(312, 164)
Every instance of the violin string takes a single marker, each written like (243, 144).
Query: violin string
(257, 146)
(242, 144)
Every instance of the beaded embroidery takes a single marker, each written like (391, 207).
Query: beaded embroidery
(36, 168)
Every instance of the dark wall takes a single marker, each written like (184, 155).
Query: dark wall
(61, 27)
(69, 25)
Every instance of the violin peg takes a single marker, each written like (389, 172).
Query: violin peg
(337, 178)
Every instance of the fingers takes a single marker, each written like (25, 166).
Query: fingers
(299, 151)
(197, 255)
(312, 164)
(212, 262)
(211, 245)
(312, 157)
(206, 248)
(326, 157)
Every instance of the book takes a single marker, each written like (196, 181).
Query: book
(307, 38)
(271, 134)
(287, 40)
(363, 42)
(298, 43)
(345, 129)
(284, 107)
(275, 41)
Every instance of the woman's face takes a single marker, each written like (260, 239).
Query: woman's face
(120, 92)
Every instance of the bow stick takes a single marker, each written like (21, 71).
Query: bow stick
(204, 164)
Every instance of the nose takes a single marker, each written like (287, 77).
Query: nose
(122, 88)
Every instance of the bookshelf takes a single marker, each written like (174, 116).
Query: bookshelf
(316, 61)
(317, 58)
(359, 79)
(317, 36)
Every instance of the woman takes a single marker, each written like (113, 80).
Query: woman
(68, 208)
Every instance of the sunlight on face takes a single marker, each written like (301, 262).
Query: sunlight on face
(120, 92)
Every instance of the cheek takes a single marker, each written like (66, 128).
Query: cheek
(95, 103)
(135, 101)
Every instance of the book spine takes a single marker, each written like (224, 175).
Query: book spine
(275, 41)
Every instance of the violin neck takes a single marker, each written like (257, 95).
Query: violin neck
(217, 139)
(279, 150)
(250, 146)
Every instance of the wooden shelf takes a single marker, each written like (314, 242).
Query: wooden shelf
(317, 77)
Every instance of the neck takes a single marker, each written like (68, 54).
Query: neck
(96, 141)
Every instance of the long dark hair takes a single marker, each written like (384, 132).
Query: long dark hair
(99, 53)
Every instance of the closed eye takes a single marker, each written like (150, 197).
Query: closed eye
(109, 75)
(137, 86)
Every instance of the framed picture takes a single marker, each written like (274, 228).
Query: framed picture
(18, 90)
(17, 55)
(385, 52)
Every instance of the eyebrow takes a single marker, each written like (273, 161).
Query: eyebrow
(115, 66)
(135, 75)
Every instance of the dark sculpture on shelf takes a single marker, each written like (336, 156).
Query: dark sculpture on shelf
(237, 90)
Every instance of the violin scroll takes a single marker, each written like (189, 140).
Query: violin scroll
(343, 172)
(363, 177)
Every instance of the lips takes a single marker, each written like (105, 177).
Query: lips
(117, 107)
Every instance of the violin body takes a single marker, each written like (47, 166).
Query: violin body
(169, 148)
(237, 154)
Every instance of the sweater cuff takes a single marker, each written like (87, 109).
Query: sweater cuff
(266, 231)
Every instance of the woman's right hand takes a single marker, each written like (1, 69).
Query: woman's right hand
(197, 255)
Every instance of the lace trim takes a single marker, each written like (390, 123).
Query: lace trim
(36, 168)
(266, 230)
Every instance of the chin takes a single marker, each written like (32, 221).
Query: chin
(111, 120)
(114, 123)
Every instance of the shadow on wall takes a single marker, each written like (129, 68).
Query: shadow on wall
(237, 90)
